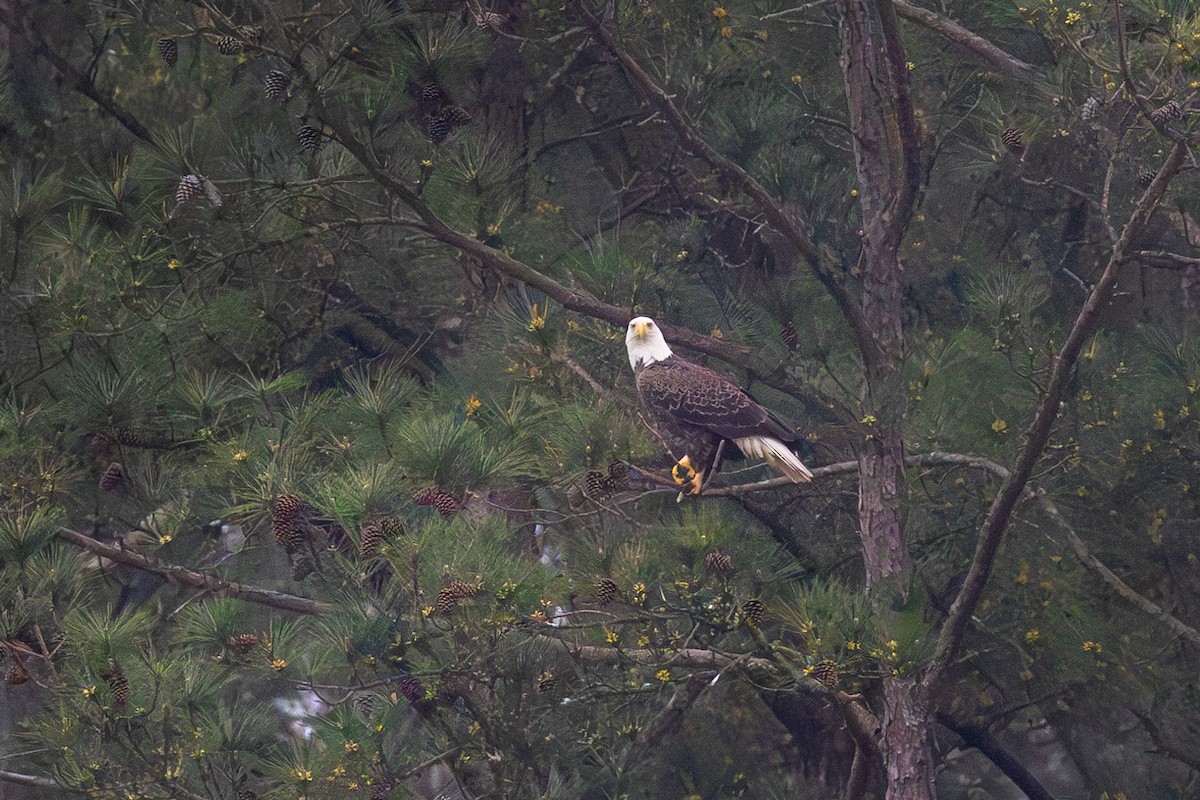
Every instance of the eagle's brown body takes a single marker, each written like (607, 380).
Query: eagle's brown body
(695, 411)
(695, 408)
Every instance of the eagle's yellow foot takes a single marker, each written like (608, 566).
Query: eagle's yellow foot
(686, 476)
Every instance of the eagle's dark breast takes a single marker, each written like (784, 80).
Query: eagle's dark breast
(693, 408)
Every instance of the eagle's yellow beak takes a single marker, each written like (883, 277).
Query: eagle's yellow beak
(640, 329)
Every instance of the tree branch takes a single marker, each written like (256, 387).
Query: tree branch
(1167, 748)
(35, 781)
(82, 82)
(981, 739)
(951, 636)
(1114, 583)
(197, 580)
(949, 29)
(797, 232)
(1162, 259)
(944, 459)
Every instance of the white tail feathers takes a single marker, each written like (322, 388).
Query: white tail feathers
(777, 454)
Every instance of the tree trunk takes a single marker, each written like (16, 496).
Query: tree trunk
(886, 160)
(907, 725)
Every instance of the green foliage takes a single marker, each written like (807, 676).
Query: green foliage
(486, 619)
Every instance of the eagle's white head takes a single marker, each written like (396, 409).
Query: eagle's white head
(645, 342)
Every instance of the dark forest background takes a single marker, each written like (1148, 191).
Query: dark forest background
(322, 467)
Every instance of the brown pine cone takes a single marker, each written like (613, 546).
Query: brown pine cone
(618, 475)
(754, 612)
(372, 537)
(606, 590)
(718, 563)
(826, 671)
(111, 480)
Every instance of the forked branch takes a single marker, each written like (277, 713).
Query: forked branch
(1015, 486)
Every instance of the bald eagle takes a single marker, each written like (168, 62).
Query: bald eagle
(696, 411)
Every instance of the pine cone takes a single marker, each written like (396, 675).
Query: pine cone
(372, 537)
(440, 499)
(826, 671)
(366, 704)
(17, 674)
(229, 46)
(277, 84)
(595, 485)
(1013, 140)
(110, 481)
(432, 92)
(452, 594)
(168, 51)
(117, 682)
(618, 475)
(391, 527)
(128, 437)
(412, 689)
(285, 518)
(381, 790)
(1146, 177)
(1090, 108)
(789, 336)
(606, 591)
(546, 681)
(754, 612)
(1169, 112)
(718, 563)
(309, 139)
(190, 187)
(489, 19)
(446, 122)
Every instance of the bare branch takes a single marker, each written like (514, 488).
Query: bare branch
(35, 781)
(980, 738)
(944, 459)
(949, 29)
(1162, 259)
(196, 580)
(1114, 583)
(1166, 747)
(81, 81)
(933, 459)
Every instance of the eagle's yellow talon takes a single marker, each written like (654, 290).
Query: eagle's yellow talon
(686, 476)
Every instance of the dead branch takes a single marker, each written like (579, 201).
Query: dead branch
(1110, 579)
(35, 781)
(949, 29)
(196, 580)
(1162, 259)
(981, 739)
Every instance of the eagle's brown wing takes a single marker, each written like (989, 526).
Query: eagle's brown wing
(696, 395)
